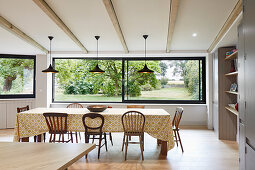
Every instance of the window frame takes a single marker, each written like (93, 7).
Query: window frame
(16, 96)
(123, 59)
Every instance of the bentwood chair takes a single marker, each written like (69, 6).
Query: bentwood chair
(135, 106)
(75, 105)
(57, 124)
(22, 109)
(93, 124)
(133, 125)
(175, 125)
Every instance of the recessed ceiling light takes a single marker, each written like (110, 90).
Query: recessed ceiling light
(194, 34)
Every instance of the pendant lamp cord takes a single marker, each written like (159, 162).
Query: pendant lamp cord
(145, 50)
(97, 51)
(50, 51)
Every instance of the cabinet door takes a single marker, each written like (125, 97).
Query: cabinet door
(249, 31)
(2, 116)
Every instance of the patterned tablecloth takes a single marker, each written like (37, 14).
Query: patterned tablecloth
(157, 122)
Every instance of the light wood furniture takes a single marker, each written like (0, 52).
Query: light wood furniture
(135, 106)
(22, 156)
(175, 124)
(133, 125)
(158, 123)
(57, 124)
(94, 131)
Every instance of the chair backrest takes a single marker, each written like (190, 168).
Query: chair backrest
(56, 122)
(177, 117)
(22, 109)
(75, 105)
(133, 122)
(95, 128)
(135, 106)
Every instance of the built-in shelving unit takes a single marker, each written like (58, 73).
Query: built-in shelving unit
(227, 76)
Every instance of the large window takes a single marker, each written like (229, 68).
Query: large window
(175, 80)
(17, 76)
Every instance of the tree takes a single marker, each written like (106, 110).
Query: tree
(163, 68)
(74, 77)
(10, 69)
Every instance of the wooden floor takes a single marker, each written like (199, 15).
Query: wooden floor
(202, 151)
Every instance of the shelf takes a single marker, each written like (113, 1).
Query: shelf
(232, 56)
(231, 92)
(232, 74)
(232, 110)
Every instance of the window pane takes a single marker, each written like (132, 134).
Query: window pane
(171, 80)
(16, 76)
(74, 82)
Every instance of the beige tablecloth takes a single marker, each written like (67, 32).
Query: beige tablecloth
(157, 124)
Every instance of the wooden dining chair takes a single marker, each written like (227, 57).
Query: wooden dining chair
(175, 125)
(133, 125)
(22, 109)
(75, 105)
(57, 125)
(95, 130)
(135, 106)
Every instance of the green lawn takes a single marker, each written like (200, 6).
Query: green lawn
(173, 93)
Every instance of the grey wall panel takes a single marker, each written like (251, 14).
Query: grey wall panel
(249, 31)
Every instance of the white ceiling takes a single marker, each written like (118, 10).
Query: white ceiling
(87, 18)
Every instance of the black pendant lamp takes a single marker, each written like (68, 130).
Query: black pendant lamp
(145, 68)
(97, 69)
(50, 69)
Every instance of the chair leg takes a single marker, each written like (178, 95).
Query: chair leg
(127, 137)
(34, 138)
(44, 137)
(76, 136)
(141, 145)
(63, 138)
(71, 137)
(50, 140)
(176, 140)
(79, 135)
(180, 140)
(110, 135)
(93, 138)
(143, 141)
(105, 141)
(100, 139)
(123, 141)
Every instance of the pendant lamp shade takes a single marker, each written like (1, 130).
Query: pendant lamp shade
(97, 69)
(50, 69)
(145, 69)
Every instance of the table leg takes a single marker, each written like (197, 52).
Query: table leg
(25, 139)
(163, 151)
(159, 141)
(39, 138)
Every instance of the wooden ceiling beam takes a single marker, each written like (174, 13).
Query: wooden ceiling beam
(16, 31)
(172, 19)
(231, 19)
(47, 9)
(111, 12)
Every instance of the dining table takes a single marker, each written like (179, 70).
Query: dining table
(158, 123)
(40, 156)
